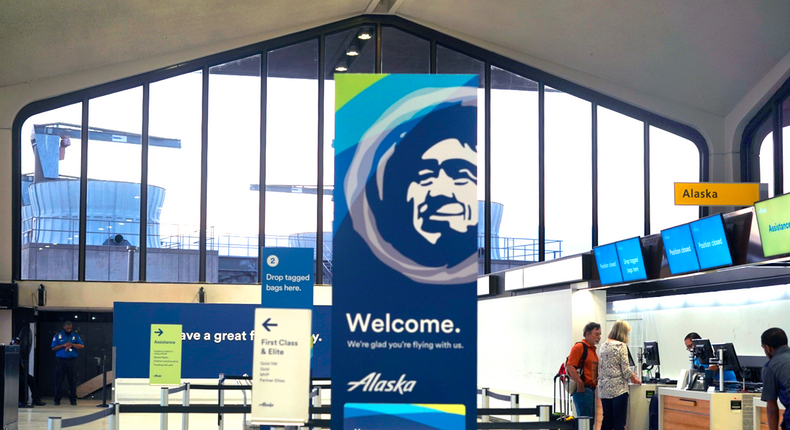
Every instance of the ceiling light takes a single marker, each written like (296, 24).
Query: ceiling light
(342, 66)
(365, 33)
(352, 50)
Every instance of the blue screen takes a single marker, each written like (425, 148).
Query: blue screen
(679, 249)
(606, 260)
(711, 242)
(632, 263)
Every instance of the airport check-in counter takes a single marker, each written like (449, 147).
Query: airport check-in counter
(692, 410)
(639, 397)
(760, 417)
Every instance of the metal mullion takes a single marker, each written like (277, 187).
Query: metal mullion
(594, 172)
(541, 171)
(319, 236)
(378, 47)
(487, 242)
(646, 133)
(83, 222)
(144, 183)
(262, 168)
(203, 245)
(433, 60)
(778, 150)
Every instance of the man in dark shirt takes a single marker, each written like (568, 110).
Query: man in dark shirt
(776, 376)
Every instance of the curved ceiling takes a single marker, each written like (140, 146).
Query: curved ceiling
(702, 54)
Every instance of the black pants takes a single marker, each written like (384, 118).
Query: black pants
(65, 367)
(24, 384)
(615, 412)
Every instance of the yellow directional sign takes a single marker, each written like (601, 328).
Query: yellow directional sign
(165, 364)
(716, 194)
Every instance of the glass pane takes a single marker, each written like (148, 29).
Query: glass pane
(767, 162)
(402, 52)
(51, 159)
(234, 144)
(336, 47)
(764, 141)
(174, 151)
(514, 169)
(568, 164)
(621, 177)
(114, 160)
(292, 146)
(453, 62)
(672, 159)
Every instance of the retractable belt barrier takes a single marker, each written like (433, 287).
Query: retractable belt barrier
(112, 411)
(543, 412)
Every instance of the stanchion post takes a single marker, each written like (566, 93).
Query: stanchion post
(54, 423)
(117, 416)
(484, 402)
(544, 413)
(584, 423)
(104, 381)
(221, 397)
(185, 402)
(316, 401)
(514, 405)
(113, 418)
(164, 401)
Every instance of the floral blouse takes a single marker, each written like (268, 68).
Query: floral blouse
(613, 369)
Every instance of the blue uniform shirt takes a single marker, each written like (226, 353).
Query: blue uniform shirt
(729, 375)
(776, 379)
(62, 338)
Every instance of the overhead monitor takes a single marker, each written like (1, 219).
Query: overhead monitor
(773, 220)
(679, 249)
(651, 353)
(710, 242)
(631, 259)
(703, 351)
(607, 262)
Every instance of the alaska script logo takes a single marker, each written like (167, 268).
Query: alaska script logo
(694, 194)
(373, 383)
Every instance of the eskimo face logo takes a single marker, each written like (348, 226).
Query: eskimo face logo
(373, 383)
(411, 187)
(444, 194)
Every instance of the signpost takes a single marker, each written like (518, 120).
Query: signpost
(717, 194)
(281, 366)
(282, 347)
(165, 364)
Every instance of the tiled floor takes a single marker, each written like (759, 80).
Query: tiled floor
(37, 418)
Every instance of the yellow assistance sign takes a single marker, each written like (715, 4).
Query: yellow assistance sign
(716, 194)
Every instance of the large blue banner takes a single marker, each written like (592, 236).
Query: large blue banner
(216, 338)
(404, 321)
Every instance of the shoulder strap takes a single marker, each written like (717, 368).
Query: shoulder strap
(584, 356)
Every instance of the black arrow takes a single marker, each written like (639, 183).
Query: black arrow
(267, 324)
(159, 332)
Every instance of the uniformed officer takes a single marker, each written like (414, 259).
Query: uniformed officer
(65, 344)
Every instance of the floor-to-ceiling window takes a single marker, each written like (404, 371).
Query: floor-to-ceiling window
(235, 152)
(764, 148)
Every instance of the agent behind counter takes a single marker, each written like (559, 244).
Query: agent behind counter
(729, 375)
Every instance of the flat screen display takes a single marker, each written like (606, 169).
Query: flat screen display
(632, 262)
(773, 219)
(679, 249)
(607, 262)
(710, 241)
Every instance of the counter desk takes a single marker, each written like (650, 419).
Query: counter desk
(692, 410)
(639, 404)
(759, 413)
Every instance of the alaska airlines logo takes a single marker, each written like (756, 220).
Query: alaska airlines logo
(374, 383)
(696, 194)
